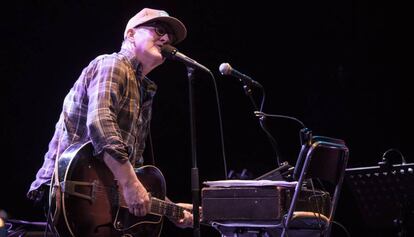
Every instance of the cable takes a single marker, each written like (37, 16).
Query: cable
(35, 223)
(272, 140)
(384, 158)
(334, 222)
(318, 210)
(220, 124)
(343, 227)
(48, 220)
(226, 69)
(262, 114)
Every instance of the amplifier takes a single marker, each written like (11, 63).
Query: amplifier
(258, 203)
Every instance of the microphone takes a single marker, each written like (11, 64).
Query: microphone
(170, 52)
(226, 69)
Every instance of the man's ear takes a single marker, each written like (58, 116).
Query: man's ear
(130, 35)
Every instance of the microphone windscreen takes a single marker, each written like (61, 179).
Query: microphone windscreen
(225, 68)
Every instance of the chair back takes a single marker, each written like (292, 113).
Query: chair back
(323, 159)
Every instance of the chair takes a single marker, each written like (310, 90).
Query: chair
(323, 159)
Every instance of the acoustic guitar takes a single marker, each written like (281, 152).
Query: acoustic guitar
(91, 203)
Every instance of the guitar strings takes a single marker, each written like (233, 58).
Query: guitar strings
(160, 207)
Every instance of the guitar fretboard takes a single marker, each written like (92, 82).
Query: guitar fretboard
(168, 209)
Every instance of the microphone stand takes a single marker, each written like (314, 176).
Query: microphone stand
(195, 188)
(248, 92)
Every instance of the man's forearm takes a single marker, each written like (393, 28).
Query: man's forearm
(123, 172)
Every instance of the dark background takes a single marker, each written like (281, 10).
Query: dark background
(341, 67)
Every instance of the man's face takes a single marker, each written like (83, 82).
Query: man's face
(149, 38)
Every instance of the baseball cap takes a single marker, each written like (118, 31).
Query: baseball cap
(147, 15)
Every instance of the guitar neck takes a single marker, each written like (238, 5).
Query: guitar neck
(164, 208)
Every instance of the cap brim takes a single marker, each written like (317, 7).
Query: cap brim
(180, 32)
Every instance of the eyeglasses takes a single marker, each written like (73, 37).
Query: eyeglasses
(160, 29)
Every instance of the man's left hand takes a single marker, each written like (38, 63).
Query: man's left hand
(187, 221)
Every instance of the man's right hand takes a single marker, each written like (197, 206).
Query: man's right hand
(135, 194)
(137, 198)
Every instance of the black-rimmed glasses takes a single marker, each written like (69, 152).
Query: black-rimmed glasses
(160, 29)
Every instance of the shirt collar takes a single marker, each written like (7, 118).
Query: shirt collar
(148, 84)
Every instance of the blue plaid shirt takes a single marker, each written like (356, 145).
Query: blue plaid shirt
(110, 105)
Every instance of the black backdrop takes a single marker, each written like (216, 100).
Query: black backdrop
(338, 66)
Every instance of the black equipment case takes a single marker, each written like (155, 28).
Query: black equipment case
(258, 203)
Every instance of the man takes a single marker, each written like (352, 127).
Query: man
(110, 106)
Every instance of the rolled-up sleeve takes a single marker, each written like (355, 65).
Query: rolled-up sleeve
(105, 90)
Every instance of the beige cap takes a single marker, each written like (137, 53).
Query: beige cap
(147, 15)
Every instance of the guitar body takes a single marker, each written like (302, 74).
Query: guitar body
(91, 203)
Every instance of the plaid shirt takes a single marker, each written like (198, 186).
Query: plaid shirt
(110, 105)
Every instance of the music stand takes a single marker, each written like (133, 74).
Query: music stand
(385, 195)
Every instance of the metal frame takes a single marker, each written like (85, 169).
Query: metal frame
(336, 176)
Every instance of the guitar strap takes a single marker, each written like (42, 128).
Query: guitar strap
(55, 187)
